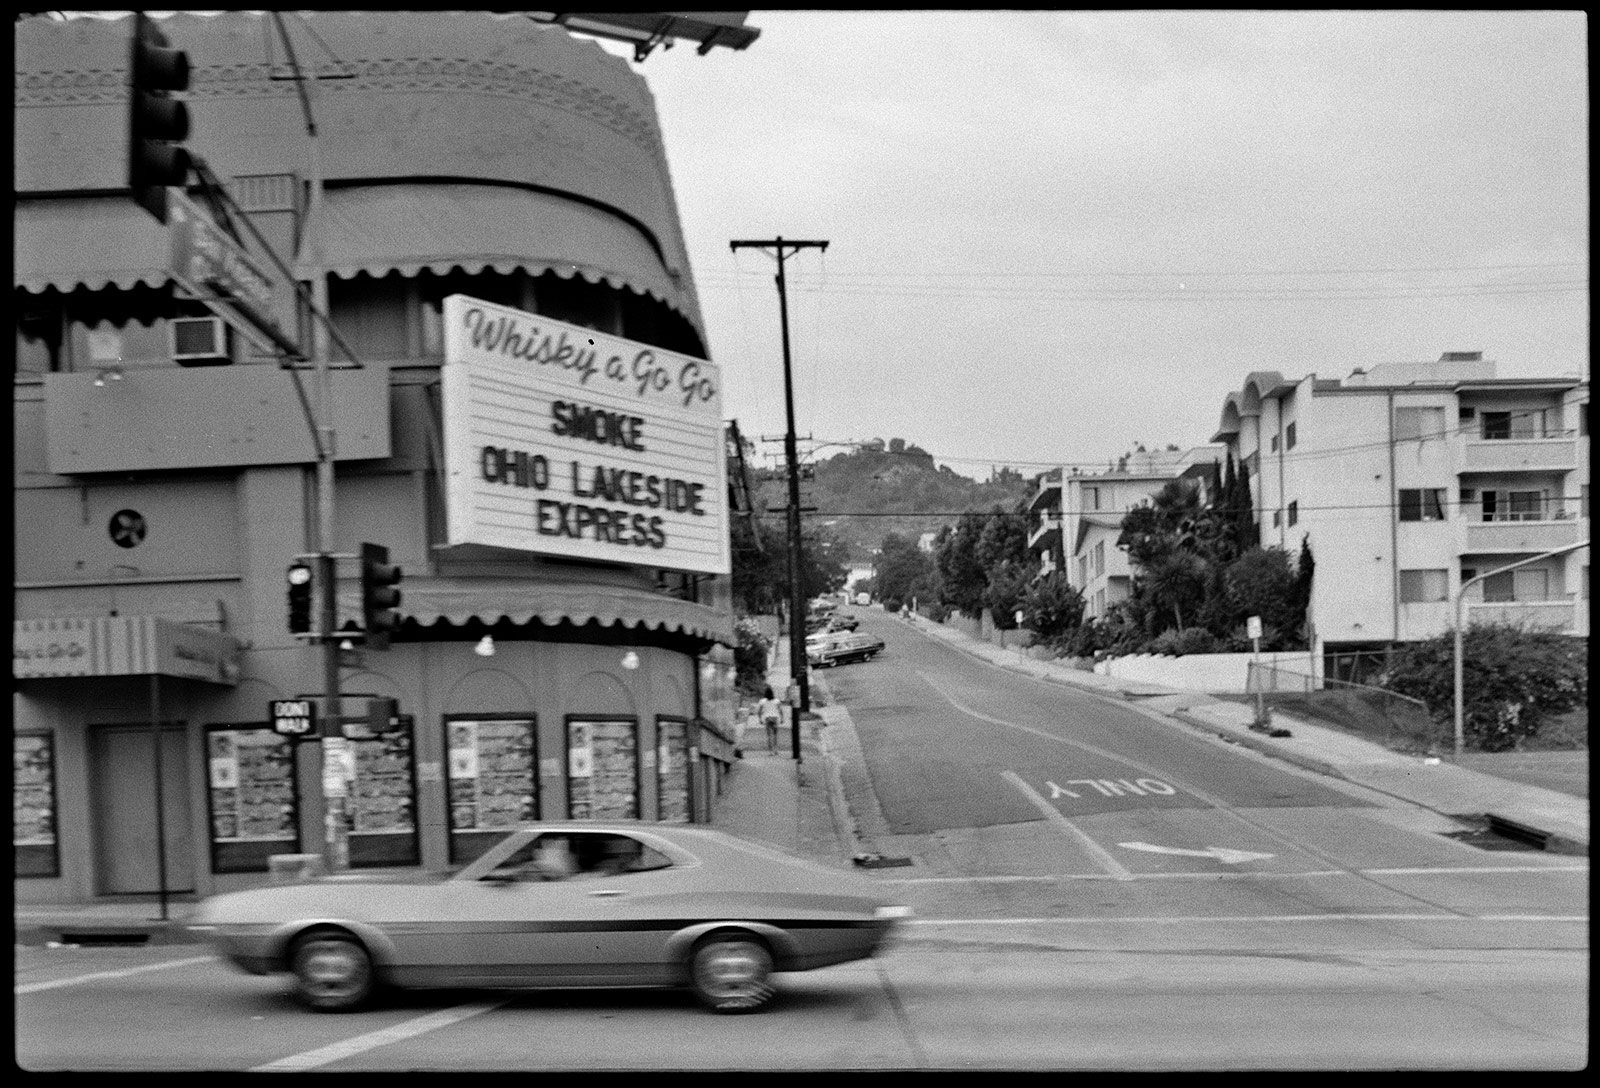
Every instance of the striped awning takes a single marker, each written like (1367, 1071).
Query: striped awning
(121, 646)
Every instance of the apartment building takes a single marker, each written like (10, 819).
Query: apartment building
(473, 167)
(1075, 518)
(1410, 479)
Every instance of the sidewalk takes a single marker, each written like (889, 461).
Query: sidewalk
(1443, 786)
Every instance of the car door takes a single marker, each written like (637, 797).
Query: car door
(530, 923)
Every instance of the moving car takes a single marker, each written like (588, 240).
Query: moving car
(560, 905)
(841, 648)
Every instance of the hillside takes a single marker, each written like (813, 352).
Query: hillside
(894, 487)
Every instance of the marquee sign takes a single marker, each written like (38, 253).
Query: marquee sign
(565, 441)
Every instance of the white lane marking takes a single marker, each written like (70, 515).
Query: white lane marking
(1221, 853)
(361, 1043)
(1295, 875)
(97, 976)
(1110, 864)
(1201, 918)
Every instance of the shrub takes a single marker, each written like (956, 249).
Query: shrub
(1191, 640)
(1513, 679)
(892, 604)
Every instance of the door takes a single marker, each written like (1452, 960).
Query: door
(123, 777)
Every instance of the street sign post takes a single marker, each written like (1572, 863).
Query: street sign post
(218, 271)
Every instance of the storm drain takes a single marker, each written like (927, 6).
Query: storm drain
(878, 861)
(1497, 833)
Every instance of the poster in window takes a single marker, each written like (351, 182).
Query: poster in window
(672, 770)
(380, 801)
(33, 805)
(492, 782)
(602, 770)
(251, 776)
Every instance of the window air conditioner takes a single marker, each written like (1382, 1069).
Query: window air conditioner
(199, 340)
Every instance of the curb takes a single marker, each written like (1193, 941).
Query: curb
(98, 932)
(1275, 751)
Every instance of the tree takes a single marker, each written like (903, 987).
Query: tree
(961, 575)
(1052, 607)
(1262, 582)
(902, 571)
(1003, 539)
(1008, 586)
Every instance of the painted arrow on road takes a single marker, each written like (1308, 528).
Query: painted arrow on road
(1221, 853)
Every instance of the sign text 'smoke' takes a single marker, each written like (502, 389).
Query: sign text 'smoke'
(566, 441)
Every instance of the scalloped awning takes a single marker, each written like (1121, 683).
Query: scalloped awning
(406, 228)
(490, 600)
(95, 241)
(88, 242)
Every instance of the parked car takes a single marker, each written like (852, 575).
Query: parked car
(838, 622)
(558, 905)
(841, 648)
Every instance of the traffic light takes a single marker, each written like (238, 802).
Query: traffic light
(379, 714)
(379, 598)
(300, 586)
(157, 122)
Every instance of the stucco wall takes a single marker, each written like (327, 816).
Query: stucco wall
(1214, 673)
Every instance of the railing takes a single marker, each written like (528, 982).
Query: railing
(1397, 722)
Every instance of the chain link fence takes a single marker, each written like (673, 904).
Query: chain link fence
(1397, 722)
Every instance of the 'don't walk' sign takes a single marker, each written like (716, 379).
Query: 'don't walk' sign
(293, 717)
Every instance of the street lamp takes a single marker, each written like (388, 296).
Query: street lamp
(1461, 593)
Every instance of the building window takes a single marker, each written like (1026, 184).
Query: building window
(1091, 497)
(493, 783)
(1274, 445)
(1583, 502)
(382, 804)
(1277, 518)
(1294, 512)
(254, 798)
(1415, 424)
(1513, 505)
(602, 770)
(1517, 585)
(1288, 437)
(1424, 504)
(33, 803)
(1099, 559)
(1583, 419)
(1527, 423)
(673, 779)
(1424, 586)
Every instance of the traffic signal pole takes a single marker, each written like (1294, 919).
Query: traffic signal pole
(797, 608)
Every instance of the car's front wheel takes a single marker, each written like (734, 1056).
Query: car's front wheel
(333, 973)
(731, 973)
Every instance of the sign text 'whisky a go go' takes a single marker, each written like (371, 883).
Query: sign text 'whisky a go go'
(561, 440)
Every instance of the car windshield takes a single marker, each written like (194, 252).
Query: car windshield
(576, 855)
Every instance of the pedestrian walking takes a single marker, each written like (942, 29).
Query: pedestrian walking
(771, 714)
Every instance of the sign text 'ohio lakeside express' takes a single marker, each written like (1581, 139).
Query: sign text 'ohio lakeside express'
(566, 441)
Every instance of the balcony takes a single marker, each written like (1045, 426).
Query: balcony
(1522, 536)
(1048, 494)
(1558, 614)
(1040, 535)
(1554, 454)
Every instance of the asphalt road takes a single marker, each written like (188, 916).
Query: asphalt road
(1013, 999)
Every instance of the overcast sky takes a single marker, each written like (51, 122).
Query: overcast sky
(1053, 235)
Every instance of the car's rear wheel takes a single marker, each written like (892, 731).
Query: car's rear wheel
(333, 973)
(731, 973)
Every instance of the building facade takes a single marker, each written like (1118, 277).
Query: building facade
(1410, 479)
(165, 469)
(1076, 519)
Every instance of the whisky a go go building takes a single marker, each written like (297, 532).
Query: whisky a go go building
(533, 431)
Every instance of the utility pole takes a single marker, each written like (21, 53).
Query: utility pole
(797, 634)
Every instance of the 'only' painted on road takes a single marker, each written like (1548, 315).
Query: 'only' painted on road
(1139, 787)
